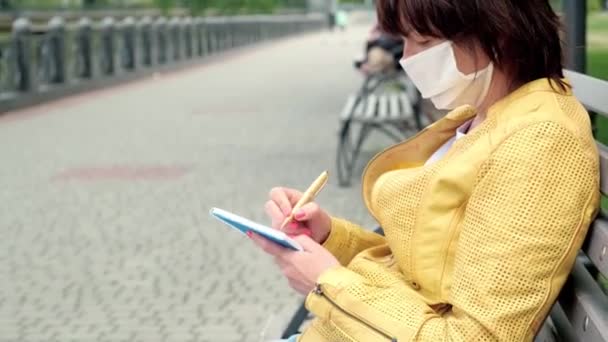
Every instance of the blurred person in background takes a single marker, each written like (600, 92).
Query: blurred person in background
(382, 53)
(341, 19)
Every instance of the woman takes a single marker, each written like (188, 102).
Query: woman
(382, 53)
(483, 211)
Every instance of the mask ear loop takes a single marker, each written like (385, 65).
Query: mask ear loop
(477, 70)
(476, 60)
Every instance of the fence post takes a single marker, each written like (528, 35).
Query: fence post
(20, 71)
(145, 30)
(576, 29)
(127, 51)
(199, 36)
(245, 32)
(161, 37)
(233, 26)
(107, 46)
(83, 49)
(174, 31)
(210, 37)
(56, 43)
(259, 33)
(187, 33)
(221, 34)
(217, 35)
(237, 30)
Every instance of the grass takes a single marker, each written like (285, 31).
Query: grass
(597, 63)
(597, 66)
(597, 37)
(597, 21)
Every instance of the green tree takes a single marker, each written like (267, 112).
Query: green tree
(197, 6)
(88, 3)
(592, 5)
(164, 5)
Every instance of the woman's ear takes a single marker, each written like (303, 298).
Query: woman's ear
(470, 57)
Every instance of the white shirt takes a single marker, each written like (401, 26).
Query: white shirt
(460, 132)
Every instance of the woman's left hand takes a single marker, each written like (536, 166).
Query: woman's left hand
(302, 269)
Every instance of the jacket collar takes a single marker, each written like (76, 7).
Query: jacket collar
(414, 152)
(540, 85)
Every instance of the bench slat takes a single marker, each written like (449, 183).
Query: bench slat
(561, 324)
(348, 107)
(406, 105)
(603, 150)
(585, 305)
(411, 91)
(359, 112)
(395, 111)
(596, 246)
(590, 91)
(545, 334)
(372, 103)
(383, 108)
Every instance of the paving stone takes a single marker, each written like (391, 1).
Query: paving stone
(104, 220)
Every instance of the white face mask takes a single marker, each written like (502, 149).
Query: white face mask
(435, 74)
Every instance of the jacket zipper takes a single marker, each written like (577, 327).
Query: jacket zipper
(319, 292)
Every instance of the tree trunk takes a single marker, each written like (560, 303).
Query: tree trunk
(5, 4)
(88, 3)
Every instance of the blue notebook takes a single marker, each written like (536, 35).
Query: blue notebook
(244, 225)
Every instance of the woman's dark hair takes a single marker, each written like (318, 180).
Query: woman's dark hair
(520, 36)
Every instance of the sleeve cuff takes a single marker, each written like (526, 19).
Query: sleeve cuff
(338, 277)
(338, 237)
(333, 279)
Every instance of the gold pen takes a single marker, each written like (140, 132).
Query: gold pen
(309, 195)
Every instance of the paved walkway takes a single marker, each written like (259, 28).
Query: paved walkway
(104, 225)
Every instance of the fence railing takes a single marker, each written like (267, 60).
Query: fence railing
(84, 51)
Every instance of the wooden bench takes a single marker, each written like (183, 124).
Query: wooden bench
(581, 311)
(388, 103)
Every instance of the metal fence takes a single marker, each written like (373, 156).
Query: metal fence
(85, 51)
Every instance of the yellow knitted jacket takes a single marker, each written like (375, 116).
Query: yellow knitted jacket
(478, 244)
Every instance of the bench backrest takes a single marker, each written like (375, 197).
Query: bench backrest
(581, 313)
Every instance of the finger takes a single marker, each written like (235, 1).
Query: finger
(307, 212)
(279, 196)
(267, 245)
(290, 272)
(273, 210)
(282, 263)
(294, 227)
(293, 195)
(307, 243)
(300, 231)
(299, 287)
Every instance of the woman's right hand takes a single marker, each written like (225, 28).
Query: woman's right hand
(310, 220)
